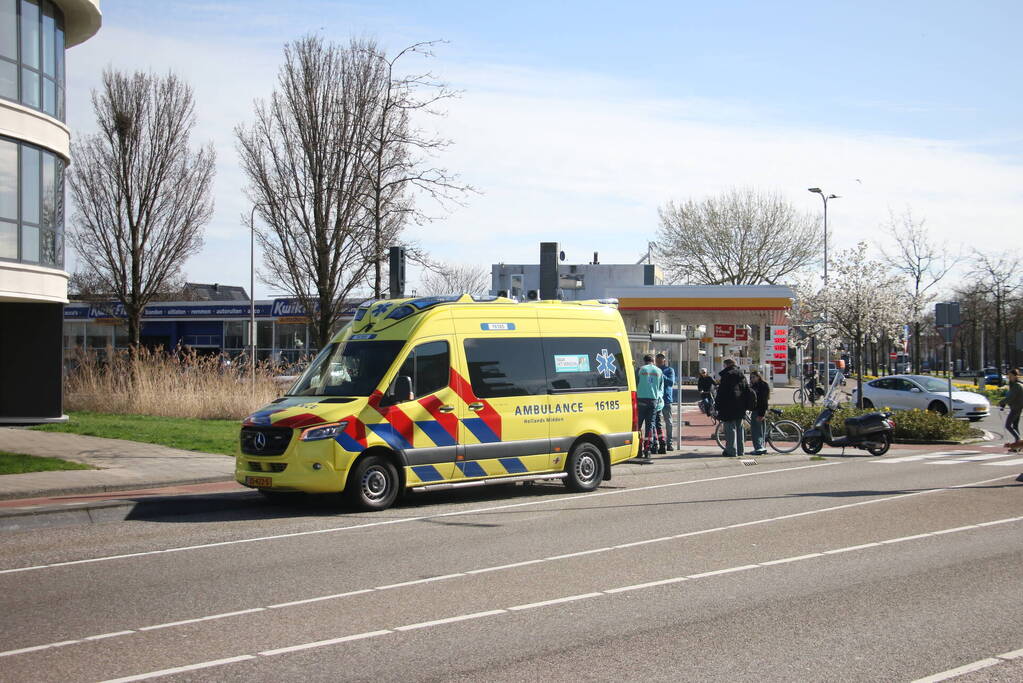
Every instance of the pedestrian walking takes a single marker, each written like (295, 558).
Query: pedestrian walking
(758, 424)
(668, 373)
(1014, 400)
(650, 401)
(730, 409)
(705, 385)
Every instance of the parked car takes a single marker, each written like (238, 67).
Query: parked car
(994, 376)
(906, 392)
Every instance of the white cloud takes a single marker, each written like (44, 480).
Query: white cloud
(586, 160)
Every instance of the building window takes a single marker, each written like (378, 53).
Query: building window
(31, 204)
(32, 55)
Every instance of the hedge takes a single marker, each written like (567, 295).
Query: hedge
(910, 425)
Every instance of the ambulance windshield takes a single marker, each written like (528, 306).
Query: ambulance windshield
(352, 368)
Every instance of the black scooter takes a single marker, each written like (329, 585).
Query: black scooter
(871, 432)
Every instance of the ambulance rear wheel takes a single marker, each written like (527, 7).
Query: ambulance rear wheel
(585, 467)
(372, 483)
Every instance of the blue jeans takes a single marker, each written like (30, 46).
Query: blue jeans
(735, 435)
(759, 429)
(649, 421)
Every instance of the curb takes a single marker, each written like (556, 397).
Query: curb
(109, 488)
(101, 511)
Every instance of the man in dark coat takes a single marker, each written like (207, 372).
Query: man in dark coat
(728, 403)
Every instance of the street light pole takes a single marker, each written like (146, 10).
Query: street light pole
(825, 198)
(252, 296)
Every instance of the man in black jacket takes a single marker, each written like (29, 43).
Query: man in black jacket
(728, 403)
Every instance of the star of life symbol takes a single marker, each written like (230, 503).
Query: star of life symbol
(606, 365)
(379, 309)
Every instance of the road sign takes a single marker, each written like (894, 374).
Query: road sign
(893, 355)
(947, 314)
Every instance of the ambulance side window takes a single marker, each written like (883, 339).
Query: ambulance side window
(505, 367)
(429, 367)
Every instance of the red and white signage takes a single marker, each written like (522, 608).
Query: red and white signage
(724, 333)
(741, 334)
(776, 347)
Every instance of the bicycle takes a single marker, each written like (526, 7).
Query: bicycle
(803, 394)
(784, 436)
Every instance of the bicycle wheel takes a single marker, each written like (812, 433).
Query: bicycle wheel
(799, 396)
(719, 434)
(784, 436)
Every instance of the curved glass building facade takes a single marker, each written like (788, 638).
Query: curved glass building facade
(34, 156)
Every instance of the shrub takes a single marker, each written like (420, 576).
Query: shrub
(910, 425)
(182, 384)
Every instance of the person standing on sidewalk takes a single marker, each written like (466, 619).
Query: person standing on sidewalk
(650, 401)
(728, 403)
(669, 381)
(1014, 400)
(759, 423)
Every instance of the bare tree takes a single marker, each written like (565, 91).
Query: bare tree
(399, 164)
(142, 195)
(922, 262)
(742, 237)
(999, 277)
(453, 278)
(305, 158)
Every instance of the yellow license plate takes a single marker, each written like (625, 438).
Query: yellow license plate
(259, 482)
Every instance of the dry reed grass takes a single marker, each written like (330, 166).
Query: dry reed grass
(181, 384)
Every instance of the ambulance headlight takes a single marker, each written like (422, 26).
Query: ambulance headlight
(327, 431)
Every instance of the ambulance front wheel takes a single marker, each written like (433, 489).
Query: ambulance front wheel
(372, 483)
(585, 467)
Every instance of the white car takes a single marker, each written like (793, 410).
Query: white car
(905, 392)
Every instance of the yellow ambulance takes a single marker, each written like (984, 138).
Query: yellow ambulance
(435, 393)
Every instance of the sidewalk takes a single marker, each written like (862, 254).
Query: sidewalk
(122, 465)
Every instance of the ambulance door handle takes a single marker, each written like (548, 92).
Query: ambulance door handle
(447, 409)
(476, 406)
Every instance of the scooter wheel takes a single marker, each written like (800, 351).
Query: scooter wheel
(812, 446)
(886, 443)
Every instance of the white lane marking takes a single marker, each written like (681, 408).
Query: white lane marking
(798, 558)
(648, 584)
(404, 520)
(183, 622)
(37, 648)
(718, 572)
(115, 634)
(555, 601)
(320, 598)
(959, 671)
(662, 539)
(922, 456)
(324, 643)
(181, 669)
(430, 579)
(578, 554)
(1006, 463)
(610, 591)
(451, 620)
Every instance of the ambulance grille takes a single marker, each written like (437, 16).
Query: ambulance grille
(259, 466)
(265, 440)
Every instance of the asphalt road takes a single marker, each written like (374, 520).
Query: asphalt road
(852, 569)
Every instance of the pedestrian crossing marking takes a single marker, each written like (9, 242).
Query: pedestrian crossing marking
(954, 458)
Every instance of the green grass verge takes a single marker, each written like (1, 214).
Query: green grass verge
(207, 436)
(19, 463)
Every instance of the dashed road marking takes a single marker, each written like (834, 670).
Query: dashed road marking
(597, 594)
(622, 546)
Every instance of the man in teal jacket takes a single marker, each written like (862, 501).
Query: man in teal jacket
(650, 401)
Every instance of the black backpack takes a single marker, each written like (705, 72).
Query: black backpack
(747, 397)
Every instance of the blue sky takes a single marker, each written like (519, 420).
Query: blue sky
(579, 119)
